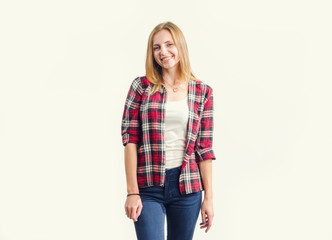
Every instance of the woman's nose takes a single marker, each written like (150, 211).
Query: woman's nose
(163, 50)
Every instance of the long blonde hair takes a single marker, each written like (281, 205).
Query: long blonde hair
(152, 68)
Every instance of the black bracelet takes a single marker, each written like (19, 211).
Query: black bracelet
(132, 194)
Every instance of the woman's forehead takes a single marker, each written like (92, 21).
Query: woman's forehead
(162, 37)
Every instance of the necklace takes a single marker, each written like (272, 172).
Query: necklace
(175, 89)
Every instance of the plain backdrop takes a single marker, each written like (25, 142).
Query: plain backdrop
(66, 68)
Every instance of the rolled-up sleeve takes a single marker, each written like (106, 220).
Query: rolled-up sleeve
(130, 126)
(204, 141)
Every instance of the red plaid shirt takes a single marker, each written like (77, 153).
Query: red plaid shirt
(143, 123)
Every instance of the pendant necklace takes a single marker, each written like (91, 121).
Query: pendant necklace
(175, 89)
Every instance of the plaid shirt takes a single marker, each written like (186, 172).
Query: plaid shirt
(143, 123)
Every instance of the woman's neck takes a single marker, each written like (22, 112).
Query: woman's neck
(171, 76)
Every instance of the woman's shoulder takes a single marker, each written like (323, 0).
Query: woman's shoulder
(140, 83)
(142, 80)
(205, 87)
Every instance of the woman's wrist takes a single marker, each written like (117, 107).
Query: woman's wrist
(133, 194)
(208, 195)
(131, 190)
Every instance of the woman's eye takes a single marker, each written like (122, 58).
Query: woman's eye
(155, 48)
(170, 44)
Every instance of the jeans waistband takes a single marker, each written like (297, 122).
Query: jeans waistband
(173, 171)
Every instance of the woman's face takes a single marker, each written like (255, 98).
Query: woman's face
(164, 50)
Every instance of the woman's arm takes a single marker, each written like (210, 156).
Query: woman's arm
(206, 173)
(133, 205)
(131, 133)
(131, 167)
(207, 205)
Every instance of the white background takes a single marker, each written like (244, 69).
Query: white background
(65, 70)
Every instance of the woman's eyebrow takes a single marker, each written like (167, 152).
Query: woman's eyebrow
(164, 42)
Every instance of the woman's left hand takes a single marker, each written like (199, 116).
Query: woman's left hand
(207, 214)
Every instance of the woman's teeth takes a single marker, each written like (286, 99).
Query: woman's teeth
(166, 58)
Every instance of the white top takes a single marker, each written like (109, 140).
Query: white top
(176, 121)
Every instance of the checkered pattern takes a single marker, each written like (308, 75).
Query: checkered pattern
(143, 123)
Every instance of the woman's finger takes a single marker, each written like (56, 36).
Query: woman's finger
(203, 216)
(133, 213)
(210, 219)
(209, 223)
(139, 210)
(129, 212)
(205, 225)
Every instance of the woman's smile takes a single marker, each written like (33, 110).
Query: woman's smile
(166, 59)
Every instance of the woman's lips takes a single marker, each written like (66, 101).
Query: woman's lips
(166, 59)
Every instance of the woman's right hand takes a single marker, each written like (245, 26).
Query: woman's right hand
(133, 207)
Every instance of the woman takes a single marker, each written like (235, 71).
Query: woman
(167, 128)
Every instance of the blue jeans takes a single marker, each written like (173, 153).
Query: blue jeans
(181, 211)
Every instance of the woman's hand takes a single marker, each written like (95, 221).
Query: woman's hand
(133, 207)
(207, 214)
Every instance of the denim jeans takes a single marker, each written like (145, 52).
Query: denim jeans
(181, 211)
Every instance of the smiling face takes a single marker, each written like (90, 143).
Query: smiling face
(165, 52)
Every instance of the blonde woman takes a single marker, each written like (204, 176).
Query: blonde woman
(167, 131)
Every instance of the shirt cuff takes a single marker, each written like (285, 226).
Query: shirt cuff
(204, 154)
(129, 138)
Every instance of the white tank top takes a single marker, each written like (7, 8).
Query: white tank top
(176, 121)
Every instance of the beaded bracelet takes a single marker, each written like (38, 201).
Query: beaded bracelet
(132, 194)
